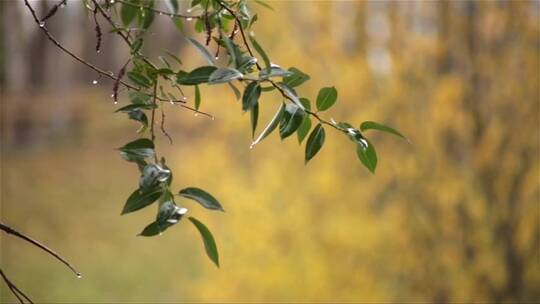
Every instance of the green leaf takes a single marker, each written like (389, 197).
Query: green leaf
(138, 149)
(206, 54)
(232, 49)
(327, 97)
(138, 97)
(202, 197)
(271, 126)
(371, 125)
(292, 119)
(139, 79)
(152, 175)
(367, 156)
(275, 71)
(251, 95)
(151, 230)
(289, 92)
(261, 52)
(136, 46)
(304, 128)
(140, 199)
(222, 75)
(169, 214)
(306, 103)
(136, 106)
(297, 78)
(197, 76)
(197, 97)
(128, 13)
(173, 56)
(315, 142)
(208, 240)
(254, 115)
(146, 17)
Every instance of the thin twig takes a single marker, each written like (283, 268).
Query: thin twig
(13, 288)
(12, 231)
(53, 10)
(110, 75)
(163, 126)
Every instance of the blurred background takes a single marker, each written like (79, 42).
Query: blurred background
(452, 217)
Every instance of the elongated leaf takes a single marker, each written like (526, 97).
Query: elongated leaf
(197, 97)
(222, 75)
(306, 103)
(151, 230)
(371, 125)
(251, 95)
(202, 197)
(128, 13)
(292, 119)
(197, 76)
(140, 199)
(132, 107)
(327, 97)
(275, 71)
(208, 240)
(289, 92)
(315, 142)
(232, 49)
(254, 115)
(137, 149)
(169, 214)
(139, 79)
(265, 4)
(261, 52)
(202, 49)
(304, 128)
(367, 155)
(297, 78)
(271, 126)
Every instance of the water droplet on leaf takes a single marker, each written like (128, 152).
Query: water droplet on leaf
(94, 82)
(41, 24)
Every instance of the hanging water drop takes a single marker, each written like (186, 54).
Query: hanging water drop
(115, 102)
(111, 2)
(189, 18)
(172, 102)
(160, 13)
(94, 81)
(188, 10)
(217, 57)
(41, 24)
(79, 275)
(196, 114)
(184, 98)
(251, 146)
(213, 118)
(98, 51)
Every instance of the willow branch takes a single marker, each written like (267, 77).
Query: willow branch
(12, 231)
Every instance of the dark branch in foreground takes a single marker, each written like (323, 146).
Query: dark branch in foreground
(12, 231)
(16, 291)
